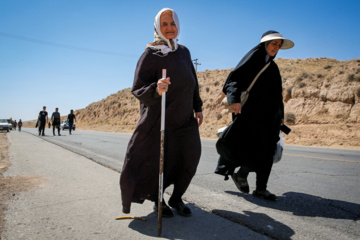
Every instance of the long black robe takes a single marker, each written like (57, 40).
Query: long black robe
(140, 174)
(256, 129)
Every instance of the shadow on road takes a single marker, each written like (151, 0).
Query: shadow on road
(302, 204)
(204, 225)
(258, 222)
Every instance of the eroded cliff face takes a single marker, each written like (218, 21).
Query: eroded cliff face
(326, 94)
(321, 98)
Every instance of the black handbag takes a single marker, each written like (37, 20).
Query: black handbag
(227, 148)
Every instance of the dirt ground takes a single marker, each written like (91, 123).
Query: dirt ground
(10, 186)
(4, 183)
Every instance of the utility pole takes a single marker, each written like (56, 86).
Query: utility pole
(196, 63)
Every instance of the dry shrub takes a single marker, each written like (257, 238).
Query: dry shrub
(301, 85)
(341, 116)
(289, 89)
(299, 78)
(354, 78)
(290, 118)
(323, 111)
(357, 92)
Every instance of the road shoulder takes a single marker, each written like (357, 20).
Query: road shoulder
(76, 198)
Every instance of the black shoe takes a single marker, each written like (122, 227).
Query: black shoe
(241, 183)
(265, 195)
(180, 208)
(166, 211)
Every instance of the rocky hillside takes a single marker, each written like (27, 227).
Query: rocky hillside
(321, 98)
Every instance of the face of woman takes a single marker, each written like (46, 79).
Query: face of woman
(273, 47)
(168, 26)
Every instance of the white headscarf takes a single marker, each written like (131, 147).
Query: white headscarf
(161, 44)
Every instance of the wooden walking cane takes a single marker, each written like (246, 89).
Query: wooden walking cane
(162, 149)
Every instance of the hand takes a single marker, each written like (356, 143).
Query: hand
(199, 117)
(163, 85)
(236, 107)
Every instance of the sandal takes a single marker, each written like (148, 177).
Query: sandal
(265, 195)
(166, 211)
(180, 208)
(241, 183)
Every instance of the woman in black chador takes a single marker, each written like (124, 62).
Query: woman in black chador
(139, 178)
(258, 122)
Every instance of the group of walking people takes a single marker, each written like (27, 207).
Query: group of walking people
(257, 125)
(55, 119)
(17, 124)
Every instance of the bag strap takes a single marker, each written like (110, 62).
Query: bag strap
(257, 76)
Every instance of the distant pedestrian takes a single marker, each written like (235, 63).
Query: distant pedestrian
(43, 119)
(14, 124)
(20, 125)
(55, 118)
(71, 118)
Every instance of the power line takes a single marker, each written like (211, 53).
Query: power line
(59, 45)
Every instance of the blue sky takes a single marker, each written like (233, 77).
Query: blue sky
(70, 53)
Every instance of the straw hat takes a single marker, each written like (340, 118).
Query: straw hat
(272, 35)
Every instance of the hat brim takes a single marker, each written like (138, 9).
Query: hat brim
(287, 43)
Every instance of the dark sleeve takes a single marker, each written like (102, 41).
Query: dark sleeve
(237, 81)
(231, 88)
(240, 79)
(197, 102)
(145, 80)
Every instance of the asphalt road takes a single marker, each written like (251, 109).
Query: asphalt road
(317, 188)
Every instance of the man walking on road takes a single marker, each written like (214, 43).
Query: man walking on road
(71, 118)
(55, 118)
(15, 124)
(20, 125)
(43, 119)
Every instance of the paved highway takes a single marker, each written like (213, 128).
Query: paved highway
(317, 188)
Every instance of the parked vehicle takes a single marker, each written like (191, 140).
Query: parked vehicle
(65, 125)
(4, 125)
